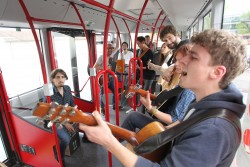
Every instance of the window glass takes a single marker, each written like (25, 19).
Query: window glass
(19, 61)
(73, 57)
(207, 21)
(236, 20)
(82, 55)
(3, 155)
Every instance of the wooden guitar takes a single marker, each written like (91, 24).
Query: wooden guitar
(61, 114)
(162, 100)
(130, 92)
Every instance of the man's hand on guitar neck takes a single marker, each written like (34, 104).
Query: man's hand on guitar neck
(95, 133)
(101, 134)
(146, 101)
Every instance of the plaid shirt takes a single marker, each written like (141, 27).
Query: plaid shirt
(183, 100)
(67, 98)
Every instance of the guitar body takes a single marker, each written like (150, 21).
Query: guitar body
(172, 83)
(149, 131)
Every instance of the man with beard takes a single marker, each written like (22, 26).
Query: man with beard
(169, 35)
(62, 95)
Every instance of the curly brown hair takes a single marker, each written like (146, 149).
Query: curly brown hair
(168, 29)
(226, 49)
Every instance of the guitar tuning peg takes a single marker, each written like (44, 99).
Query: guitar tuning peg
(49, 125)
(52, 121)
(138, 86)
(53, 106)
(73, 111)
(39, 122)
(66, 105)
(63, 112)
(129, 95)
(65, 121)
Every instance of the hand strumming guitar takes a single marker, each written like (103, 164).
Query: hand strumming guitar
(102, 135)
(146, 101)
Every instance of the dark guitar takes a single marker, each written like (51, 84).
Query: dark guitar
(162, 100)
(59, 113)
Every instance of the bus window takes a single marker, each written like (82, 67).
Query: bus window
(19, 61)
(207, 21)
(72, 55)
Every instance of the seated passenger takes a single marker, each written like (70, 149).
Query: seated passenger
(62, 95)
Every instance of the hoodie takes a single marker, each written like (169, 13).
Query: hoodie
(210, 143)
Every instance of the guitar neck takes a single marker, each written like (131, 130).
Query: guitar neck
(43, 109)
(144, 93)
(117, 131)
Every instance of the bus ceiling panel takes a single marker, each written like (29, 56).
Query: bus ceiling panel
(41, 9)
(12, 14)
(3, 7)
(182, 12)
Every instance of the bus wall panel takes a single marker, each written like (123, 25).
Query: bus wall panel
(84, 105)
(41, 140)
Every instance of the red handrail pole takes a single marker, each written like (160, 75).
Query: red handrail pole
(105, 53)
(6, 112)
(118, 32)
(160, 30)
(84, 29)
(136, 33)
(128, 32)
(87, 37)
(29, 19)
(153, 29)
(51, 51)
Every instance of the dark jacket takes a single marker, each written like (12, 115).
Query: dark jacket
(210, 143)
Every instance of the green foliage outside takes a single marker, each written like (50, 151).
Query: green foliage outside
(243, 27)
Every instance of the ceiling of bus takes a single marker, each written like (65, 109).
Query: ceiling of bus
(180, 13)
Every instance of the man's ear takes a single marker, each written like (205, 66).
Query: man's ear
(218, 72)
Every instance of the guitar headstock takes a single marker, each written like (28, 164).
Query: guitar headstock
(130, 92)
(61, 114)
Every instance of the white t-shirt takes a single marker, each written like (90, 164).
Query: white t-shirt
(126, 56)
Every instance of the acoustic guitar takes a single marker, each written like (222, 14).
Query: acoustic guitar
(162, 100)
(62, 114)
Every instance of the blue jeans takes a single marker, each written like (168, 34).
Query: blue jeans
(136, 120)
(111, 86)
(64, 140)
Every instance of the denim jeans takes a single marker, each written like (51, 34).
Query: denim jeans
(64, 139)
(111, 86)
(136, 120)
